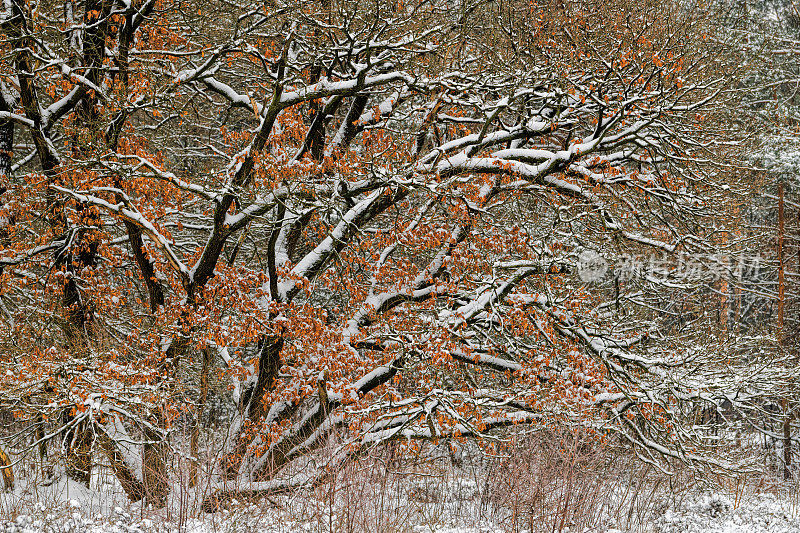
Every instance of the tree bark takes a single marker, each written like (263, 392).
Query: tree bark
(781, 263)
(787, 414)
(269, 362)
(133, 487)
(78, 451)
(201, 404)
(8, 471)
(154, 470)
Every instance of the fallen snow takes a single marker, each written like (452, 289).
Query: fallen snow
(716, 513)
(66, 507)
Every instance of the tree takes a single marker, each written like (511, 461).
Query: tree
(370, 221)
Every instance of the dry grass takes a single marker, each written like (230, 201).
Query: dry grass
(546, 481)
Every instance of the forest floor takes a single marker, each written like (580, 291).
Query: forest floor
(541, 483)
(455, 507)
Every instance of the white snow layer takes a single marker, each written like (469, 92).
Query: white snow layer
(71, 508)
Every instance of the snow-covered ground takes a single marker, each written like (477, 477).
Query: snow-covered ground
(716, 513)
(68, 508)
(442, 491)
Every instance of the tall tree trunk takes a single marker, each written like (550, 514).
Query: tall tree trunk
(781, 263)
(787, 408)
(81, 251)
(84, 251)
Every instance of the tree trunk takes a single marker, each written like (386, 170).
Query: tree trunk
(269, 362)
(78, 451)
(8, 471)
(154, 469)
(132, 486)
(787, 443)
(781, 264)
(201, 404)
(47, 469)
(787, 420)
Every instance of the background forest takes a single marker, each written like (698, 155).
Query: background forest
(250, 249)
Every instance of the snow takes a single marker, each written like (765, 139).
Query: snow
(384, 108)
(8, 10)
(17, 118)
(235, 98)
(325, 87)
(717, 513)
(432, 504)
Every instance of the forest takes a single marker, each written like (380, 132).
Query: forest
(251, 250)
